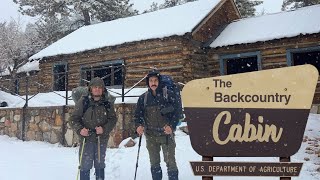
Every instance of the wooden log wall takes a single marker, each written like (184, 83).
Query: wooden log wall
(169, 55)
(273, 53)
(7, 82)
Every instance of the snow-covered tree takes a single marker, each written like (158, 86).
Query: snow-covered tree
(167, 4)
(246, 7)
(294, 4)
(88, 10)
(154, 7)
(16, 46)
(52, 29)
(171, 3)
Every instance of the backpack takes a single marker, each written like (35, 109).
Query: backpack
(82, 91)
(168, 83)
(86, 103)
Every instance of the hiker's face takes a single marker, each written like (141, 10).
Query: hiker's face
(153, 83)
(96, 91)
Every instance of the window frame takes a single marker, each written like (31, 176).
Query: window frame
(53, 73)
(224, 57)
(291, 51)
(96, 66)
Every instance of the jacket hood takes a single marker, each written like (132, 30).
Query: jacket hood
(97, 82)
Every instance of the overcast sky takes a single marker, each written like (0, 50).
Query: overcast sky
(8, 9)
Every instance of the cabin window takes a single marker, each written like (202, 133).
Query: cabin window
(302, 56)
(240, 63)
(111, 72)
(59, 76)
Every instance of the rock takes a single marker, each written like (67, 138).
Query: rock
(44, 126)
(16, 117)
(39, 136)
(58, 120)
(3, 119)
(309, 152)
(69, 137)
(33, 127)
(13, 127)
(130, 143)
(3, 113)
(54, 138)
(37, 119)
(307, 159)
(309, 148)
(184, 129)
(31, 136)
(7, 123)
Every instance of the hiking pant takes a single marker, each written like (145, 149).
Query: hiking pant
(90, 156)
(168, 145)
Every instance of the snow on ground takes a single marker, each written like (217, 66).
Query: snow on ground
(57, 98)
(39, 160)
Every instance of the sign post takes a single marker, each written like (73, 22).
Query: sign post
(249, 115)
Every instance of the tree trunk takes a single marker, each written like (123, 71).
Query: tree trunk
(86, 17)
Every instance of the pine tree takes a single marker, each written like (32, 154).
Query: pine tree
(294, 4)
(167, 4)
(88, 10)
(246, 7)
(50, 30)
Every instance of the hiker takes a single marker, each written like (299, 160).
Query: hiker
(93, 119)
(156, 115)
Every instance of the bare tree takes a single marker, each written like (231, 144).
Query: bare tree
(16, 47)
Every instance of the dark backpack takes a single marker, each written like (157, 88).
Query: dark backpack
(168, 83)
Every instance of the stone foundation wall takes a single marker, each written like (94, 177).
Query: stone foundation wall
(49, 124)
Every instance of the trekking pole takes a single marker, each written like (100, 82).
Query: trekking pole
(80, 163)
(98, 149)
(135, 174)
(167, 142)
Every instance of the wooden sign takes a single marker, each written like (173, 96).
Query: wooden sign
(262, 113)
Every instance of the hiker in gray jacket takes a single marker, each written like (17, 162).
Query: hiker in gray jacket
(93, 119)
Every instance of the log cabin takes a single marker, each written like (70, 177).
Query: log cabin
(170, 40)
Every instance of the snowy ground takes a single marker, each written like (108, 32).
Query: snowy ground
(38, 160)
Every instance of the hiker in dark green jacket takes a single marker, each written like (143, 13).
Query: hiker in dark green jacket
(93, 119)
(156, 116)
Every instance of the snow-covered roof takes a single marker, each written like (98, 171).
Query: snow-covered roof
(268, 27)
(177, 20)
(29, 66)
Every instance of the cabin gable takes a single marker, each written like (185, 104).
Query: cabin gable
(212, 25)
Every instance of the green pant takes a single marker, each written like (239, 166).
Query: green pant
(168, 145)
